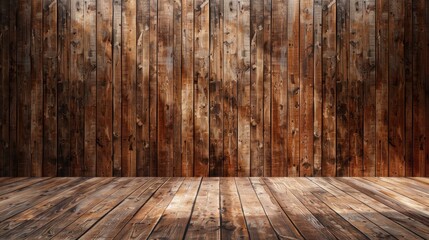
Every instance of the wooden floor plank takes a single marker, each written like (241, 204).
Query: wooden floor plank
(409, 223)
(109, 226)
(16, 202)
(337, 225)
(8, 180)
(176, 217)
(398, 203)
(257, 223)
(205, 220)
(145, 220)
(280, 222)
(11, 186)
(214, 208)
(233, 225)
(381, 223)
(308, 226)
(67, 217)
(85, 221)
(22, 225)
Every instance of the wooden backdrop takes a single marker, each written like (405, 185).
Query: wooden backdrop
(214, 88)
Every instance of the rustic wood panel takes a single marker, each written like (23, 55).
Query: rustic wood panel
(214, 88)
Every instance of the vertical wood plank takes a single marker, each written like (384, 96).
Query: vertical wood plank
(369, 121)
(396, 89)
(381, 92)
(257, 89)
(294, 91)
(64, 157)
(128, 93)
(177, 88)
(13, 88)
(215, 88)
(76, 88)
(201, 78)
(187, 88)
(243, 87)
(153, 87)
(355, 91)
(408, 87)
(50, 78)
(230, 88)
(279, 89)
(343, 49)
(142, 95)
(117, 88)
(427, 90)
(36, 146)
(267, 27)
(329, 59)
(420, 65)
(4, 88)
(318, 93)
(165, 88)
(23, 76)
(306, 72)
(104, 89)
(90, 89)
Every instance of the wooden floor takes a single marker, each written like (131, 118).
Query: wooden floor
(213, 208)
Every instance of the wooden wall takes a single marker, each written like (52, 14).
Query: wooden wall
(214, 88)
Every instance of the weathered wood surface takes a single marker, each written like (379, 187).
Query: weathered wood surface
(214, 208)
(214, 88)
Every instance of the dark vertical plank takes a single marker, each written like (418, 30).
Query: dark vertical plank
(279, 89)
(187, 88)
(355, 91)
(36, 145)
(50, 87)
(23, 76)
(293, 86)
(13, 85)
(201, 78)
(165, 88)
(381, 85)
(317, 90)
(427, 90)
(408, 87)
(63, 101)
(215, 88)
(396, 89)
(369, 121)
(306, 73)
(5, 53)
(153, 87)
(104, 89)
(243, 87)
(142, 95)
(128, 92)
(90, 87)
(117, 88)
(329, 60)
(343, 48)
(267, 27)
(230, 89)
(420, 65)
(76, 87)
(257, 89)
(177, 88)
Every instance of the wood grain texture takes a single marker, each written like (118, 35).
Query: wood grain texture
(215, 208)
(214, 88)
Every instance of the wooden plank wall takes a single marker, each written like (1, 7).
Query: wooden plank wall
(214, 88)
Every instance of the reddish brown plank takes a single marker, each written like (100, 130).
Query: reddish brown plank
(201, 79)
(279, 89)
(104, 89)
(306, 72)
(128, 92)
